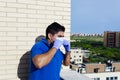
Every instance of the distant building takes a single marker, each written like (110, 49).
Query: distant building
(99, 71)
(112, 39)
(104, 76)
(81, 34)
(86, 53)
(77, 55)
(102, 72)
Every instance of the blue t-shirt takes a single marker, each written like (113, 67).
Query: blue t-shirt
(52, 70)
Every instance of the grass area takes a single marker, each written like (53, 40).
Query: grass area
(93, 38)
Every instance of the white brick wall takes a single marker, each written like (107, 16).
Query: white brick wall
(21, 21)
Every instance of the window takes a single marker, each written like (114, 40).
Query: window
(115, 78)
(96, 70)
(96, 78)
(112, 78)
(107, 78)
(76, 51)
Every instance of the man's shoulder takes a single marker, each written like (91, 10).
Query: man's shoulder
(38, 44)
(41, 45)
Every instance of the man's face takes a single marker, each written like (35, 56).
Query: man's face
(59, 34)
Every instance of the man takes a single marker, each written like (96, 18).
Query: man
(46, 57)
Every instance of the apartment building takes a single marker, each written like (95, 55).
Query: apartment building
(76, 56)
(104, 76)
(112, 39)
(97, 71)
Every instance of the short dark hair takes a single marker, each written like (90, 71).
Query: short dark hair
(54, 28)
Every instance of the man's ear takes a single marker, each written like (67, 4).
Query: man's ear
(49, 36)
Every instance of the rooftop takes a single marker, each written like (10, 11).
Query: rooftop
(68, 74)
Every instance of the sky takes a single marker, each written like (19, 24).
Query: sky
(95, 16)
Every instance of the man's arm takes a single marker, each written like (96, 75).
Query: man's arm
(66, 60)
(43, 59)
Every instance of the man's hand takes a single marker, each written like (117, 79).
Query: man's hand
(66, 45)
(57, 43)
(66, 60)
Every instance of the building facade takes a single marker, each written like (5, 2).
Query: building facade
(99, 71)
(76, 56)
(21, 21)
(104, 76)
(112, 39)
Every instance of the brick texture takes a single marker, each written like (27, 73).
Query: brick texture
(90, 68)
(21, 21)
(116, 66)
